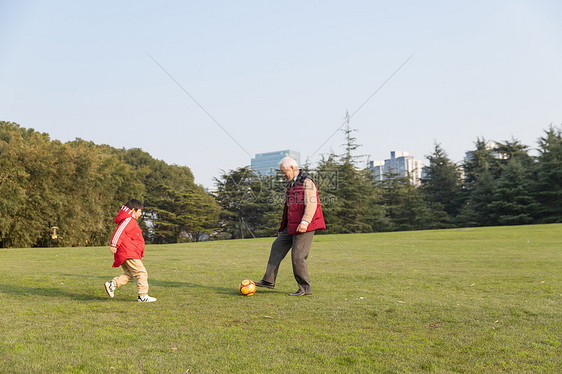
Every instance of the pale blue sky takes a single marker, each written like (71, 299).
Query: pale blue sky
(279, 75)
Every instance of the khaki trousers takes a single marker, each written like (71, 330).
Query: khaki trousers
(133, 269)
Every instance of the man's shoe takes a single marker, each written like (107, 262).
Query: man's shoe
(263, 283)
(146, 299)
(299, 293)
(110, 288)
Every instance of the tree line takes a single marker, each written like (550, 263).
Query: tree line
(498, 184)
(78, 187)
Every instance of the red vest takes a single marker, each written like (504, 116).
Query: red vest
(294, 208)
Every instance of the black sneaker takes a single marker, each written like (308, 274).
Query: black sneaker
(263, 283)
(300, 293)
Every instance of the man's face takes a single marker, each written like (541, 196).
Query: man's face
(289, 172)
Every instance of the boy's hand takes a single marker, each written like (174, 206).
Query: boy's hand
(113, 249)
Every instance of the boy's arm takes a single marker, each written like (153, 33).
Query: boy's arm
(115, 239)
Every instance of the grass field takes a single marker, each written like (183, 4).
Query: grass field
(483, 300)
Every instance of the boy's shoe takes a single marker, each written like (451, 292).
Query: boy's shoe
(146, 299)
(110, 288)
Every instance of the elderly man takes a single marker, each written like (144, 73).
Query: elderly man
(301, 217)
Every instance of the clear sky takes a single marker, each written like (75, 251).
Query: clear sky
(281, 75)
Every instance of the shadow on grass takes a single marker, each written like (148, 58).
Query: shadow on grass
(175, 284)
(217, 289)
(106, 277)
(9, 289)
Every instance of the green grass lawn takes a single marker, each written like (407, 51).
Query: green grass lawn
(480, 300)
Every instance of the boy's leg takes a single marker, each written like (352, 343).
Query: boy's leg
(124, 278)
(139, 271)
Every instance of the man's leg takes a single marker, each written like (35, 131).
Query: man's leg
(279, 250)
(299, 254)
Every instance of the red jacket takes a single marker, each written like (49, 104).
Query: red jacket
(294, 208)
(127, 237)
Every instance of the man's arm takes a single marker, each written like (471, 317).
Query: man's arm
(310, 204)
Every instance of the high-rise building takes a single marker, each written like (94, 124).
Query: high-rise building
(268, 163)
(399, 163)
(491, 146)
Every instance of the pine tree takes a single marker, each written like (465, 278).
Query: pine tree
(548, 187)
(184, 215)
(441, 185)
(512, 201)
(352, 207)
(238, 194)
(404, 206)
(476, 211)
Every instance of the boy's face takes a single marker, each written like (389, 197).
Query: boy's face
(137, 213)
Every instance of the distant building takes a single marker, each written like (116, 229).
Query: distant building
(212, 190)
(268, 163)
(399, 163)
(491, 146)
(377, 169)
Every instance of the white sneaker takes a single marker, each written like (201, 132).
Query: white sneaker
(110, 288)
(146, 299)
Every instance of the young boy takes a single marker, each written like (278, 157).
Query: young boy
(127, 245)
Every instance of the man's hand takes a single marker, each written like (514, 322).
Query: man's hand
(113, 249)
(302, 227)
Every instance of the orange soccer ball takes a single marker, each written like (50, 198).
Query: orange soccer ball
(247, 288)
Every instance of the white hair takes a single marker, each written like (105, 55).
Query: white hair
(287, 162)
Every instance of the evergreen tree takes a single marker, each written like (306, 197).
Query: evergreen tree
(481, 159)
(441, 185)
(270, 203)
(353, 207)
(404, 206)
(548, 187)
(476, 211)
(512, 201)
(183, 215)
(355, 199)
(513, 150)
(327, 180)
(238, 195)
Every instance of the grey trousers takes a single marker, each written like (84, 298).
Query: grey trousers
(300, 245)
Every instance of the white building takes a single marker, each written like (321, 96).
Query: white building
(400, 163)
(491, 146)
